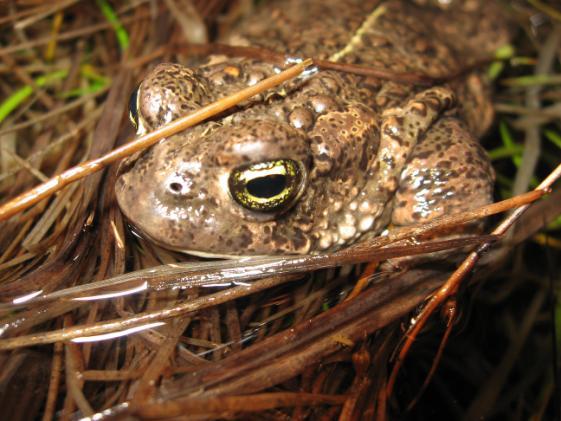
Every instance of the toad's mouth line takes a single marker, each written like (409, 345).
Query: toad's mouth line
(197, 253)
(207, 255)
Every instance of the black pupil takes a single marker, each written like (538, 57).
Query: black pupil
(266, 187)
(132, 107)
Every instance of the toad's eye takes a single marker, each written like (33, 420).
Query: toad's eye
(133, 108)
(271, 186)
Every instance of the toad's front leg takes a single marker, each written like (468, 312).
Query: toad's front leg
(401, 130)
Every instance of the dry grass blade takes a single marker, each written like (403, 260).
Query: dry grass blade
(279, 266)
(66, 36)
(220, 405)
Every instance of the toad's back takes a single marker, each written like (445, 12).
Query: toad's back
(399, 36)
(327, 160)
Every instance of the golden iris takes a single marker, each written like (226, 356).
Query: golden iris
(268, 186)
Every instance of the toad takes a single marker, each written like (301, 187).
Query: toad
(324, 161)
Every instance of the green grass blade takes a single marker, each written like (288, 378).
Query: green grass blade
(113, 19)
(532, 80)
(502, 53)
(505, 152)
(78, 92)
(553, 137)
(509, 143)
(14, 100)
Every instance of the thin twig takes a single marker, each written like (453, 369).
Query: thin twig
(143, 319)
(74, 382)
(380, 73)
(222, 404)
(451, 309)
(54, 383)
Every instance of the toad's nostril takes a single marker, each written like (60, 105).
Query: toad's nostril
(175, 187)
